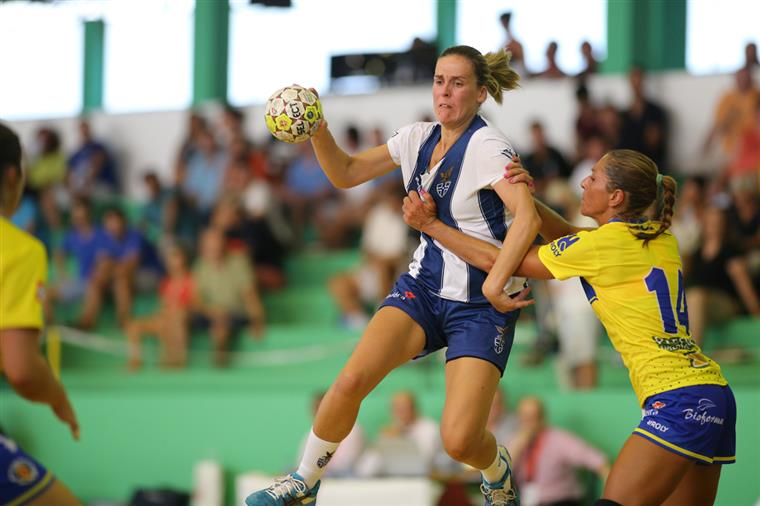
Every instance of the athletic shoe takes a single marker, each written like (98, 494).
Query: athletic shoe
(504, 491)
(291, 490)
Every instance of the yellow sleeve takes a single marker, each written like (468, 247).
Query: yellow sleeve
(572, 255)
(22, 290)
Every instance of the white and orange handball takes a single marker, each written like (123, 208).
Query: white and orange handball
(293, 113)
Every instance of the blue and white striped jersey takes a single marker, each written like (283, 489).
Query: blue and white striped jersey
(461, 185)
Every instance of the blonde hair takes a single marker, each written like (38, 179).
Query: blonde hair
(637, 175)
(492, 70)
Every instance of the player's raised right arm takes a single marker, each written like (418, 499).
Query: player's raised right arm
(347, 171)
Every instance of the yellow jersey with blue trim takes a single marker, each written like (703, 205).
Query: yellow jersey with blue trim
(23, 276)
(637, 291)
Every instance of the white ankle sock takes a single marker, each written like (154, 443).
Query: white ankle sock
(495, 471)
(316, 456)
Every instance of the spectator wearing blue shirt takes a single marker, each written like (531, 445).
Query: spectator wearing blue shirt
(202, 181)
(133, 261)
(86, 244)
(307, 193)
(91, 168)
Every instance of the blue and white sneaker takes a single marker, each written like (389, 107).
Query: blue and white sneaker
(504, 491)
(291, 490)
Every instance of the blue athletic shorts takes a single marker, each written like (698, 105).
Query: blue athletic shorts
(469, 330)
(697, 422)
(21, 477)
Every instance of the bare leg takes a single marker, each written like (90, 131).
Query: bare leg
(122, 289)
(174, 338)
(470, 386)
(645, 474)
(584, 376)
(57, 494)
(698, 488)
(220, 336)
(392, 338)
(135, 330)
(93, 297)
(346, 294)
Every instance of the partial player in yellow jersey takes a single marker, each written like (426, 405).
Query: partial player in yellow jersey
(23, 272)
(631, 272)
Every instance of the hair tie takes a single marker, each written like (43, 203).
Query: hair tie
(659, 181)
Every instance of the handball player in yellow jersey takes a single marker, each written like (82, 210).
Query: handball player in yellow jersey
(23, 272)
(632, 274)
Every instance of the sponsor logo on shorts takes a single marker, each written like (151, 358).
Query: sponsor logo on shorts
(22, 471)
(407, 295)
(561, 244)
(655, 408)
(700, 414)
(498, 341)
(658, 426)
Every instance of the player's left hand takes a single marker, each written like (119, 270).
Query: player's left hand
(504, 303)
(65, 413)
(516, 173)
(419, 210)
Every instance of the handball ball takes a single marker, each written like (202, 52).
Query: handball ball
(293, 113)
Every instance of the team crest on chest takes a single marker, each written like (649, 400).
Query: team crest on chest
(445, 182)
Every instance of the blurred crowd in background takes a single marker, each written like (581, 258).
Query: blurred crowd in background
(217, 234)
(214, 238)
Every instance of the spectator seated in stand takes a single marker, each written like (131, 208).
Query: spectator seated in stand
(384, 246)
(132, 262)
(87, 244)
(719, 286)
(734, 114)
(408, 446)
(644, 125)
(225, 296)
(545, 459)
(46, 175)
(92, 170)
(170, 323)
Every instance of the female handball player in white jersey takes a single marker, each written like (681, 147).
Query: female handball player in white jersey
(439, 303)
(632, 274)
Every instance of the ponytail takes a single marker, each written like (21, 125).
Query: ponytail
(499, 75)
(666, 199)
